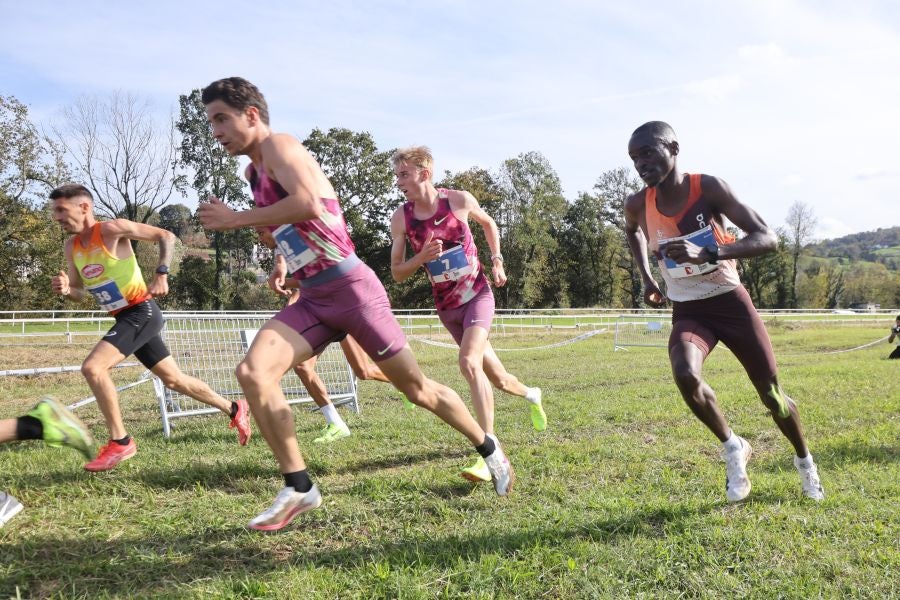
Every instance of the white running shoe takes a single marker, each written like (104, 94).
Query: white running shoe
(737, 484)
(9, 507)
(502, 473)
(809, 477)
(288, 504)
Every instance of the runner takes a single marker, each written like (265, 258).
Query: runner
(435, 221)
(681, 217)
(341, 295)
(101, 262)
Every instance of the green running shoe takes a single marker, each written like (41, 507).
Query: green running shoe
(536, 409)
(406, 403)
(477, 472)
(332, 433)
(62, 428)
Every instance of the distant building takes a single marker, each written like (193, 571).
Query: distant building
(864, 307)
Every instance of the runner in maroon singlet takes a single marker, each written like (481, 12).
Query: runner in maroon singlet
(340, 294)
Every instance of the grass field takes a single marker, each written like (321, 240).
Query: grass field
(622, 497)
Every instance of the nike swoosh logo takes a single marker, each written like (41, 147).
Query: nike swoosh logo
(476, 320)
(381, 352)
(439, 221)
(110, 334)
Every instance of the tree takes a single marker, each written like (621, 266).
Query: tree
(614, 187)
(801, 223)
(593, 250)
(30, 242)
(363, 180)
(215, 174)
(127, 159)
(176, 218)
(531, 221)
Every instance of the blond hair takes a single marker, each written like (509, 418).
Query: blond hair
(417, 156)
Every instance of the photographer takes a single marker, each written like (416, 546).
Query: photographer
(895, 339)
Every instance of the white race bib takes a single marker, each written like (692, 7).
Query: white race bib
(295, 251)
(701, 237)
(449, 266)
(108, 295)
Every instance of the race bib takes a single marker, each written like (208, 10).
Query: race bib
(108, 295)
(295, 251)
(449, 266)
(701, 237)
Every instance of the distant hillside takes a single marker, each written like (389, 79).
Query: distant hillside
(881, 245)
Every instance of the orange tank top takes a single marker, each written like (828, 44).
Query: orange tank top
(697, 222)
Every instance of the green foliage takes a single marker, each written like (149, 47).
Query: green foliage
(614, 187)
(30, 242)
(363, 180)
(176, 218)
(215, 174)
(532, 221)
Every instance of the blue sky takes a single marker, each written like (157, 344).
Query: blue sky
(785, 100)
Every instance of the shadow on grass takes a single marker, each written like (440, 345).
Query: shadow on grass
(830, 455)
(153, 564)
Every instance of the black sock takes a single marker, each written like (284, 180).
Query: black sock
(234, 409)
(299, 480)
(124, 441)
(29, 428)
(487, 448)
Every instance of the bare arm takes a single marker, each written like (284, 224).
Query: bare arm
(68, 284)
(121, 231)
(637, 242)
(402, 269)
(759, 239)
(291, 165)
(491, 234)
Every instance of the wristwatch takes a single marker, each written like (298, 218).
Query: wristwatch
(163, 269)
(497, 256)
(713, 251)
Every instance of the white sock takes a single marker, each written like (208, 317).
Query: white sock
(532, 394)
(732, 443)
(805, 463)
(329, 411)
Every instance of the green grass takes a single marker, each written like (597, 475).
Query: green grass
(622, 496)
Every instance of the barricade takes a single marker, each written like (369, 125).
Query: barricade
(209, 347)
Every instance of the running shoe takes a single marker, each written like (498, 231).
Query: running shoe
(536, 410)
(112, 454)
(809, 478)
(737, 483)
(62, 428)
(501, 470)
(477, 472)
(9, 507)
(332, 433)
(241, 421)
(288, 504)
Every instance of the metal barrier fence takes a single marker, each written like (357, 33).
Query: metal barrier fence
(642, 331)
(209, 347)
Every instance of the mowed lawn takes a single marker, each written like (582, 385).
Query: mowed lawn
(623, 496)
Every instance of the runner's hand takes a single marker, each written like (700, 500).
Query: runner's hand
(60, 284)
(431, 250)
(215, 214)
(653, 295)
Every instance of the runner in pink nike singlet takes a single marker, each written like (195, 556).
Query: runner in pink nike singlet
(339, 294)
(435, 222)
